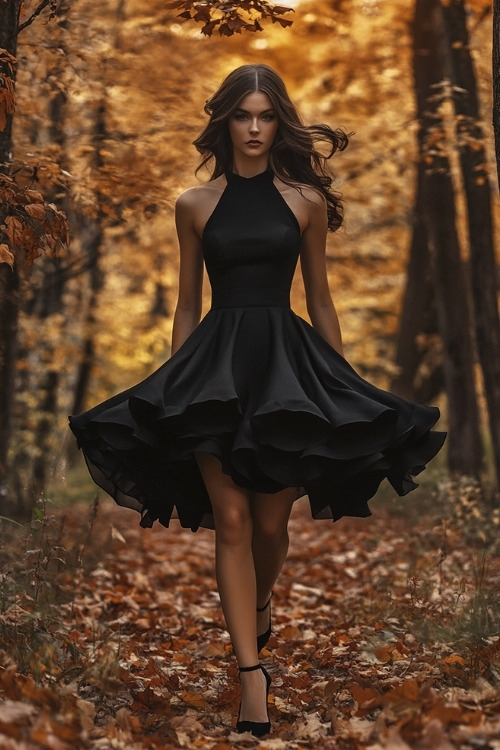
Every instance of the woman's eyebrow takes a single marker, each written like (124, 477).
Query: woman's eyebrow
(246, 111)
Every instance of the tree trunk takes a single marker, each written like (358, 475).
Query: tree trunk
(54, 278)
(464, 442)
(9, 279)
(91, 246)
(9, 21)
(92, 236)
(9, 314)
(418, 324)
(473, 163)
(496, 82)
(33, 456)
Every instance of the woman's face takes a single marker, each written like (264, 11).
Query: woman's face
(253, 125)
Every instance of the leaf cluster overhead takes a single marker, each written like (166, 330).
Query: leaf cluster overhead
(230, 18)
(31, 225)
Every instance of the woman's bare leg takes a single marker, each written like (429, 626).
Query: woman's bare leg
(235, 572)
(270, 514)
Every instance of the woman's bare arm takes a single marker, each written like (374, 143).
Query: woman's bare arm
(188, 309)
(320, 306)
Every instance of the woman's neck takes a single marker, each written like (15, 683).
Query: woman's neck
(249, 167)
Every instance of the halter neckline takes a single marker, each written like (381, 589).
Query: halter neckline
(266, 176)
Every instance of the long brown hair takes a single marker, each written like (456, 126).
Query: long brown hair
(293, 156)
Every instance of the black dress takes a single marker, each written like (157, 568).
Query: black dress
(256, 386)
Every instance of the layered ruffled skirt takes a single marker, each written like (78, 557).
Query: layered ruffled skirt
(261, 390)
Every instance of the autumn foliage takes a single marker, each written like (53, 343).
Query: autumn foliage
(7, 88)
(28, 224)
(31, 225)
(385, 633)
(228, 18)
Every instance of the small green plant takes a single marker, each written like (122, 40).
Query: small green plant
(453, 594)
(34, 567)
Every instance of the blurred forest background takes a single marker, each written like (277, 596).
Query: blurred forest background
(109, 99)
(385, 632)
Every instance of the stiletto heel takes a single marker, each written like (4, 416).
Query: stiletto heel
(263, 638)
(257, 728)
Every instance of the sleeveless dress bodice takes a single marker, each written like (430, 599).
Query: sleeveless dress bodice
(256, 386)
(251, 244)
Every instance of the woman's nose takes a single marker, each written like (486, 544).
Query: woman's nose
(254, 126)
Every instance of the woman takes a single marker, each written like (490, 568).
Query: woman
(255, 407)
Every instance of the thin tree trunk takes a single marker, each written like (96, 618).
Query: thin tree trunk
(9, 21)
(9, 315)
(418, 315)
(464, 443)
(473, 161)
(496, 82)
(91, 236)
(54, 278)
(34, 455)
(9, 279)
(91, 245)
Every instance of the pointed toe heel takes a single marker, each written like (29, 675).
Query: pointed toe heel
(257, 728)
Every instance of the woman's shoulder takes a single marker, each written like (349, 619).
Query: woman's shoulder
(194, 196)
(308, 193)
(311, 193)
(306, 201)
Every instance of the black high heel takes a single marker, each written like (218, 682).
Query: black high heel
(257, 728)
(263, 638)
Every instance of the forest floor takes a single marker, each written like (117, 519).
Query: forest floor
(386, 632)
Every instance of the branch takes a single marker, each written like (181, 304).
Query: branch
(35, 13)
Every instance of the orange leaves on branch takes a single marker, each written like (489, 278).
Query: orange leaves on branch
(6, 256)
(7, 86)
(7, 99)
(31, 225)
(36, 210)
(8, 60)
(229, 17)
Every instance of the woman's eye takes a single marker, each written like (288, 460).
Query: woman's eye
(241, 116)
